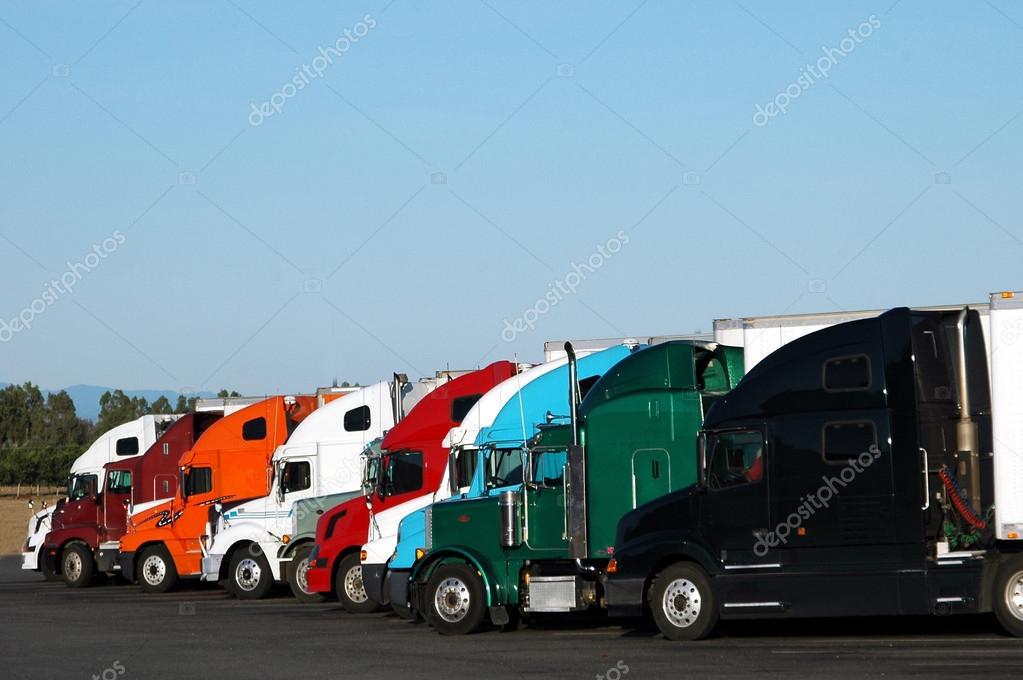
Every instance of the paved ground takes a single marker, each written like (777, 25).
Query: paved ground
(48, 631)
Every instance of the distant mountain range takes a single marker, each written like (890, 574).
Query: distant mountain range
(86, 397)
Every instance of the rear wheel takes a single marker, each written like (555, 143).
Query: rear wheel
(1008, 595)
(156, 570)
(78, 566)
(297, 570)
(250, 577)
(682, 602)
(455, 604)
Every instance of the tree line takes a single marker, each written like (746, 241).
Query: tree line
(41, 436)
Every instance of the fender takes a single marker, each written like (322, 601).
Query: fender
(425, 569)
(649, 552)
(58, 539)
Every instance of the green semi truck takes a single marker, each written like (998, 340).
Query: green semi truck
(543, 545)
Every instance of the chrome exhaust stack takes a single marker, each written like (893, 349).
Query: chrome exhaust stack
(967, 441)
(575, 470)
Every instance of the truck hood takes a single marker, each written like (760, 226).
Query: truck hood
(672, 512)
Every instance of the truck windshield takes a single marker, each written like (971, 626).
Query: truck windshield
(80, 486)
(401, 472)
(505, 467)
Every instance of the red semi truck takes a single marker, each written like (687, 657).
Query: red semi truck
(412, 464)
(86, 532)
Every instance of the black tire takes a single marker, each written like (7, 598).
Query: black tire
(156, 572)
(296, 575)
(78, 566)
(455, 601)
(249, 577)
(351, 591)
(682, 602)
(48, 574)
(1008, 595)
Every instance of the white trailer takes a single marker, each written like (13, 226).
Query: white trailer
(761, 335)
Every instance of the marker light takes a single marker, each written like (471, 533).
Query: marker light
(420, 553)
(285, 539)
(1008, 295)
(612, 567)
(363, 555)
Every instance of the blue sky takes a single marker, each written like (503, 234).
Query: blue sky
(458, 158)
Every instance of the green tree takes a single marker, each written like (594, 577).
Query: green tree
(161, 406)
(117, 408)
(185, 404)
(224, 394)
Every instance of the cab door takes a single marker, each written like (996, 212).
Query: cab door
(545, 502)
(735, 517)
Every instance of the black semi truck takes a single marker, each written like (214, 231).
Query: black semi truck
(852, 472)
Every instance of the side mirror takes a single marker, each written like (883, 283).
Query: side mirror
(31, 504)
(125, 502)
(701, 459)
(453, 480)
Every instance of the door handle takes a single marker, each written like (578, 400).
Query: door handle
(927, 480)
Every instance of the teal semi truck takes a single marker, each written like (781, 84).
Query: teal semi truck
(543, 545)
(487, 449)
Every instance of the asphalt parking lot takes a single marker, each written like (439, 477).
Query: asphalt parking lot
(114, 631)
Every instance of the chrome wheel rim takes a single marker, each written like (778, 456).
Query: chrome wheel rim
(682, 602)
(154, 570)
(301, 575)
(355, 589)
(452, 600)
(72, 566)
(248, 574)
(1014, 595)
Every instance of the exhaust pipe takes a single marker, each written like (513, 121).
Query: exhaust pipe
(967, 441)
(573, 392)
(575, 478)
(399, 381)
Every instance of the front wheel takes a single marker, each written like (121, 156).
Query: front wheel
(456, 604)
(1008, 595)
(250, 577)
(77, 565)
(351, 591)
(156, 570)
(683, 603)
(297, 570)
(48, 574)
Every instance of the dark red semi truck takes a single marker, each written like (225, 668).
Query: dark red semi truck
(84, 539)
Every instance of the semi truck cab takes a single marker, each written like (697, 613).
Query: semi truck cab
(320, 463)
(852, 472)
(228, 465)
(542, 547)
(87, 476)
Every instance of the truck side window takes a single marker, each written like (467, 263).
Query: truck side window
(847, 374)
(254, 430)
(549, 467)
(735, 458)
(199, 481)
(82, 487)
(461, 406)
(843, 442)
(358, 419)
(119, 481)
(404, 473)
(129, 446)
(296, 476)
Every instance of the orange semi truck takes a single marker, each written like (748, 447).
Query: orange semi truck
(230, 463)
